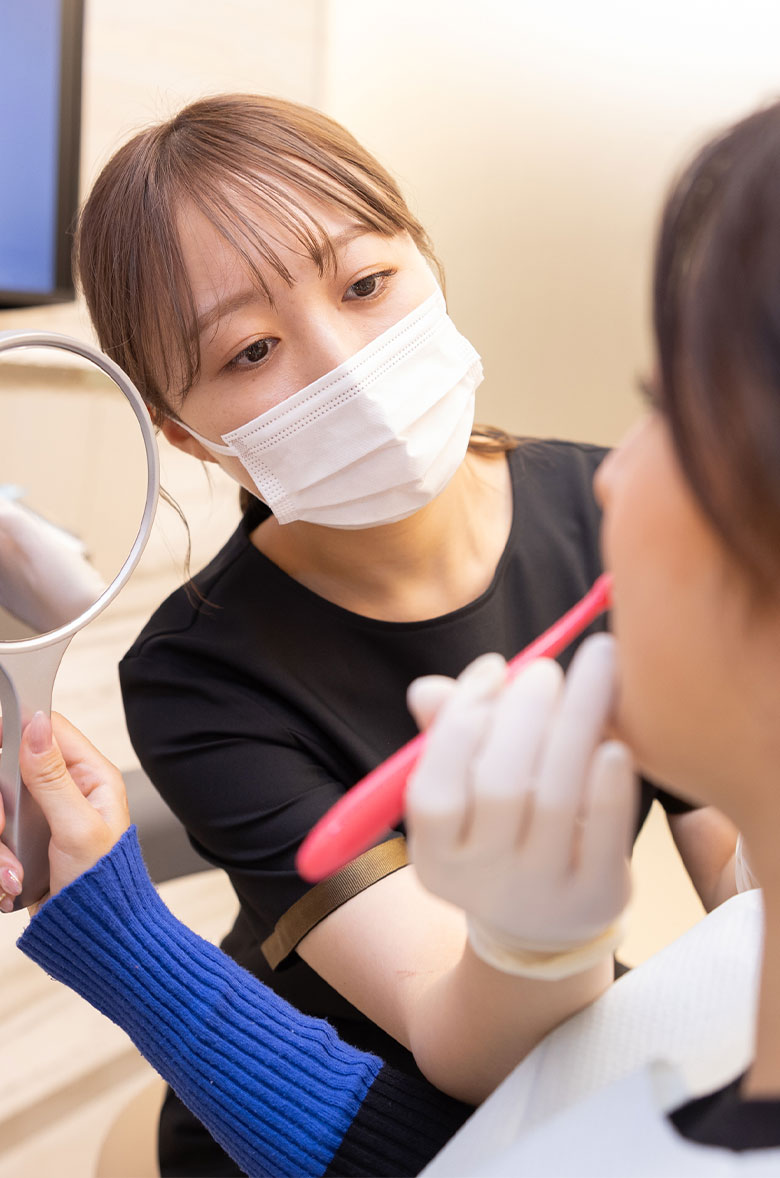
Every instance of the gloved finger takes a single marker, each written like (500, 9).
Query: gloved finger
(438, 790)
(574, 734)
(426, 696)
(504, 768)
(578, 725)
(607, 832)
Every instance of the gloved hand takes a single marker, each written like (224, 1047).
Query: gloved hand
(521, 813)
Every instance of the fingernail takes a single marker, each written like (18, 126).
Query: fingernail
(39, 733)
(12, 885)
(7, 903)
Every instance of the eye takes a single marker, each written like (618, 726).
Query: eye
(253, 354)
(368, 287)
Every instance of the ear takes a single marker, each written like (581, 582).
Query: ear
(178, 437)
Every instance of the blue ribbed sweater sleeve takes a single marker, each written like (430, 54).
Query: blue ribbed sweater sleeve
(276, 1088)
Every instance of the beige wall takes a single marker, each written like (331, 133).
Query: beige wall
(536, 138)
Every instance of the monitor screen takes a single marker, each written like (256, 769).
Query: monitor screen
(40, 115)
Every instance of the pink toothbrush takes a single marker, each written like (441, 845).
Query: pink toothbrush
(377, 802)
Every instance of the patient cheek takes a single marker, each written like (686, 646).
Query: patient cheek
(639, 718)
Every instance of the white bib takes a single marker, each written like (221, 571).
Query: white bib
(691, 1008)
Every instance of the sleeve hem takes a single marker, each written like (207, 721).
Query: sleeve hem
(330, 894)
(402, 1124)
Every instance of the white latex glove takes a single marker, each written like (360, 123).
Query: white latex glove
(520, 813)
(45, 579)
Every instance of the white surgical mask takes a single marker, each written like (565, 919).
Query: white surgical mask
(374, 440)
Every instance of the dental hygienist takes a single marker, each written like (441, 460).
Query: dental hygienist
(261, 279)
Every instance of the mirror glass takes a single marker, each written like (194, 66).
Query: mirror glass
(73, 486)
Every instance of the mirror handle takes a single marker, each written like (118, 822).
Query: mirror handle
(26, 683)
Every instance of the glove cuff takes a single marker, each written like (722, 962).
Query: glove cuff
(550, 964)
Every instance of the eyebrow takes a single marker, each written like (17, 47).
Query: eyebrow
(224, 307)
(242, 298)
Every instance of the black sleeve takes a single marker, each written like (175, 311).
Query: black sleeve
(400, 1127)
(672, 804)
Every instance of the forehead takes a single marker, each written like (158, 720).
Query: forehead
(218, 251)
(228, 241)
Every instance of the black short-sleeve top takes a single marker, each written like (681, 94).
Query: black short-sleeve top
(253, 704)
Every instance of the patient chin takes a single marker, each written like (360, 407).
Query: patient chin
(658, 769)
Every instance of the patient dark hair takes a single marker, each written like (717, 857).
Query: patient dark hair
(717, 326)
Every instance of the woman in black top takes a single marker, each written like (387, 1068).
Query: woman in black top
(692, 538)
(249, 265)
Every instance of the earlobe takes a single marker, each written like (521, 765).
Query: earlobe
(178, 437)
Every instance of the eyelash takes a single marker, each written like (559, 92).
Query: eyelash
(380, 274)
(235, 365)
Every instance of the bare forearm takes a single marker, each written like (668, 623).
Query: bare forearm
(473, 1024)
(401, 956)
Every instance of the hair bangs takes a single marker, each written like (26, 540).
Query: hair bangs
(230, 157)
(229, 199)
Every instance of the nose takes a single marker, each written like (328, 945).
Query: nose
(328, 345)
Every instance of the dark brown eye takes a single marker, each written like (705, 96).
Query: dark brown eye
(365, 286)
(255, 352)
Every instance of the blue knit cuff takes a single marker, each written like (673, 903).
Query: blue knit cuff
(277, 1089)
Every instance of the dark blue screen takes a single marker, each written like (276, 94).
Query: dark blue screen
(29, 133)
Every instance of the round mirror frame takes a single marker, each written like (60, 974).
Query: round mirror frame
(10, 340)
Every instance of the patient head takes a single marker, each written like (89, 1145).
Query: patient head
(692, 498)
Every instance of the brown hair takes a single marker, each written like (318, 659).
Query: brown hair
(223, 154)
(717, 326)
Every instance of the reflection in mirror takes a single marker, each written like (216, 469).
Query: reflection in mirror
(69, 440)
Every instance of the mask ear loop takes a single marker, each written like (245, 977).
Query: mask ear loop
(212, 447)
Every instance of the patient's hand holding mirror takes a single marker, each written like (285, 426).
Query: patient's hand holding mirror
(79, 478)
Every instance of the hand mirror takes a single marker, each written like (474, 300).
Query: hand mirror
(79, 479)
